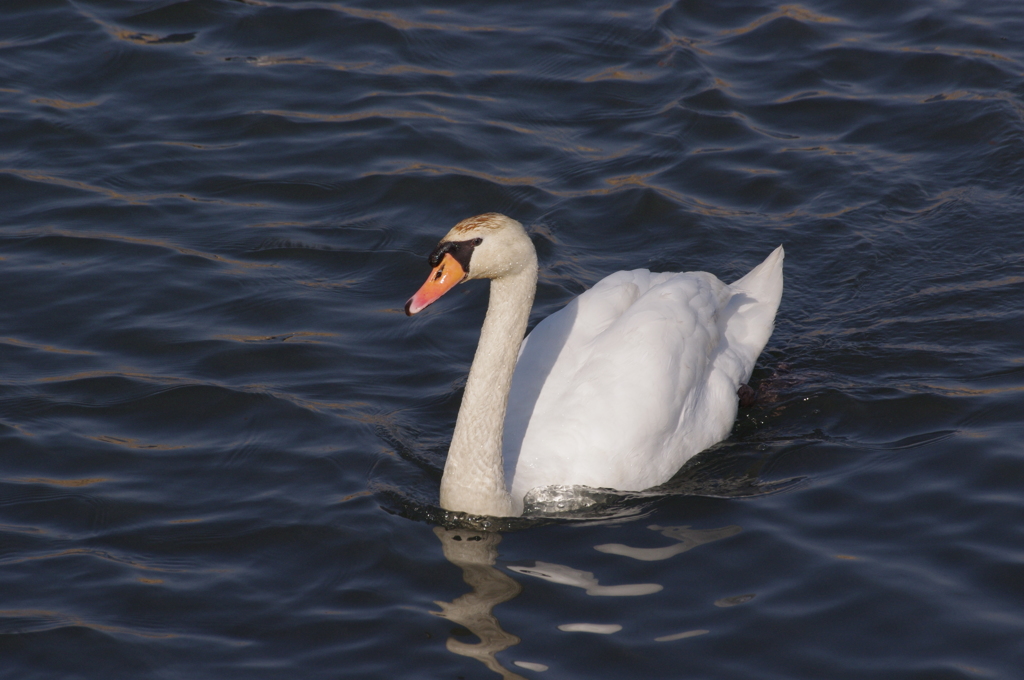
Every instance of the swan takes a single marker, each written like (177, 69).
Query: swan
(616, 390)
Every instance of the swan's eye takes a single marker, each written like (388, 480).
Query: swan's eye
(477, 241)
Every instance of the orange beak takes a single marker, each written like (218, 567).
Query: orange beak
(442, 279)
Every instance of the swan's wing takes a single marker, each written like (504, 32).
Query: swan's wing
(635, 376)
(554, 351)
(603, 385)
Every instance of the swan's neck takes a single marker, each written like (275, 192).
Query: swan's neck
(474, 478)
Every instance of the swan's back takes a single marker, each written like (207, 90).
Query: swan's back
(634, 377)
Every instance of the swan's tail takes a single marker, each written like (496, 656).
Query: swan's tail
(758, 295)
(764, 282)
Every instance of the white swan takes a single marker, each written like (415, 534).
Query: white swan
(617, 390)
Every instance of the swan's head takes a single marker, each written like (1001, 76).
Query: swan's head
(488, 246)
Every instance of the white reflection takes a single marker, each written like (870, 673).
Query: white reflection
(688, 539)
(531, 666)
(557, 573)
(476, 553)
(600, 628)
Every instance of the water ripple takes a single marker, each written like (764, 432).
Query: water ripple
(213, 211)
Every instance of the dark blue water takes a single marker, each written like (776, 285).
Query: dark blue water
(221, 439)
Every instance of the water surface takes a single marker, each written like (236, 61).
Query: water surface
(221, 439)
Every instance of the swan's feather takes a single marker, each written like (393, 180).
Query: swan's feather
(634, 377)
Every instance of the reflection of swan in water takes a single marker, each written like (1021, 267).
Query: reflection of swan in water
(476, 553)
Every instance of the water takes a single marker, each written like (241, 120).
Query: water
(220, 438)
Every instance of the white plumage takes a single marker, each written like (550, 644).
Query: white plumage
(618, 389)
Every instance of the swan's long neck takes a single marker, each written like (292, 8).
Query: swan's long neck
(474, 478)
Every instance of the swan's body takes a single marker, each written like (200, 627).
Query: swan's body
(617, 390)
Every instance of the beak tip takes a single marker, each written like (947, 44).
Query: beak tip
(408, 308)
